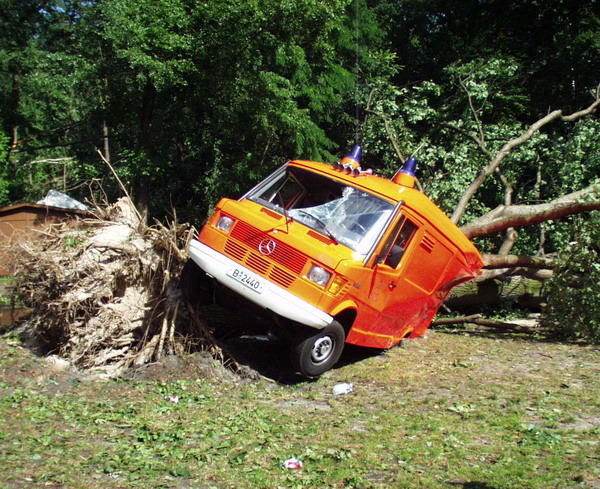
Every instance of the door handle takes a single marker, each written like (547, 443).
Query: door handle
(392, 285)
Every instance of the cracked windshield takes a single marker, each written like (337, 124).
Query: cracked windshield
(344, 213)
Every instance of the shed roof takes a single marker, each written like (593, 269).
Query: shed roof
(11, 209)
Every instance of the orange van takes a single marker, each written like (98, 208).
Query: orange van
(333, 255)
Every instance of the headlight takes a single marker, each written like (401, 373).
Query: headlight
(319, 275)
(224, 223)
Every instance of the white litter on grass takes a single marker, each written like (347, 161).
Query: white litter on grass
(173, 399)
(341, 389)
(292, 463)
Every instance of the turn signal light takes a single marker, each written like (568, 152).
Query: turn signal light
(337, 284)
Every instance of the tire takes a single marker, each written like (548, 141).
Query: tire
(315, 354)
(195, 285)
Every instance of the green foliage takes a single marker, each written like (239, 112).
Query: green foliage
(153, 37)
(573, 309)
(433, 119)
(198, 100)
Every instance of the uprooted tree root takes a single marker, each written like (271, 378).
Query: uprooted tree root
(105, 295)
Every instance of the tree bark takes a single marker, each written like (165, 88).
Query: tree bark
(504, 217)
(105, 140)
(13, 110)
(511, 261)
(477, 319)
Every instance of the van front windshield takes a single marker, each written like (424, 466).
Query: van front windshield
(348, 215)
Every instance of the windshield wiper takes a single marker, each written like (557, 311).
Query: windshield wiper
(321, 224)
(287, 217)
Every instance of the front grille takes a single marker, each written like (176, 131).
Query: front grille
(257, 263)
(281, 277)
(235, 250)
(276, 266)
(283, 254)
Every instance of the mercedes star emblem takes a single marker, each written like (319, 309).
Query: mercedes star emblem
(267, 246)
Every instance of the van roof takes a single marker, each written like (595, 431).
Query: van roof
(413, 198)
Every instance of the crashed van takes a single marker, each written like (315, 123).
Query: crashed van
(332, 254)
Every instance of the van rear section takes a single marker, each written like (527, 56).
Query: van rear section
(333, 254)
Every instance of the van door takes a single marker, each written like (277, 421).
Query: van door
(384, 327)
(406, 274)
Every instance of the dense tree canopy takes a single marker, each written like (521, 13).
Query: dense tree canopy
(191, 100)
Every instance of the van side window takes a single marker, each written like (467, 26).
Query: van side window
(401, 238)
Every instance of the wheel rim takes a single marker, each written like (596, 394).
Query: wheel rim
(322, 349)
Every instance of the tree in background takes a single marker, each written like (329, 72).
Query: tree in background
(45, 98)
(573, 309)
(180, 96)
(216, 94)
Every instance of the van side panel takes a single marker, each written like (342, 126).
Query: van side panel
(408, 297)
(430, 260)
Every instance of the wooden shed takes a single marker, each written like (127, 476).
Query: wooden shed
(22, 221)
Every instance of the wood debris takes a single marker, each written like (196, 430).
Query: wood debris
(105, 296)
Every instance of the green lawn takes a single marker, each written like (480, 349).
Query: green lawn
(451, 410)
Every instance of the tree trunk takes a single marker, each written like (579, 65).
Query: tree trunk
(524, 291)
(105, 140)
(11, 116)
(142, 190)
(503, 217)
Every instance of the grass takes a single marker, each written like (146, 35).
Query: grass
(451, 410)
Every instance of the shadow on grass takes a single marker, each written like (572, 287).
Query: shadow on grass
(478, 485)
(271, 357)
(470, 484)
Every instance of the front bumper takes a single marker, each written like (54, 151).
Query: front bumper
(271, 296)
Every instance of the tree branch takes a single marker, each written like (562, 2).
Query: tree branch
(511, 235)
(510, 261)
(477, 319)
(480, 144)
(504, 217)
(508, 147)
(502, 273)
(388, 131)
(481, 138)
(121, 185)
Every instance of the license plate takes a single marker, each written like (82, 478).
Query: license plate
(246, 279)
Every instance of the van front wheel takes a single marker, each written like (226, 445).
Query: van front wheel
(315, 354)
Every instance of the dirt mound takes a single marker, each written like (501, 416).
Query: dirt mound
(186, 367)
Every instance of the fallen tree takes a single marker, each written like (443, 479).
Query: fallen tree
(511, 277)
(105, 295)
(504, 217)
(509, 147)
(506, 276)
